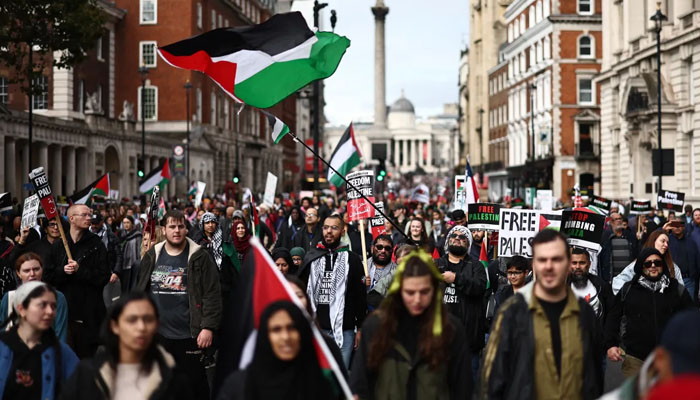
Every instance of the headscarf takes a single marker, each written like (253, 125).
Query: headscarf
(214, 244)
(456, 230)
(281, 252)
(23, 291)
(241, 245)
(297, 251)
(269, 377)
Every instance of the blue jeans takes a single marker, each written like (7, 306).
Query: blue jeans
(348, 344)
(689, 284)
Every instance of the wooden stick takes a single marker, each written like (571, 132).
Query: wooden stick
(364, 246)
(63, 237)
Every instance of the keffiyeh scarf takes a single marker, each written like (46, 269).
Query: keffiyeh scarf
(655, 286)
(216, 240)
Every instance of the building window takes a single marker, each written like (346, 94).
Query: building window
(98, 49)
(585, 91)
(585, 7)
(212, 111)
(4, 96)
(198, 105)
(227, 119)
(221, 21)
(522, 24)
(547, 49)
(585, 47)
(149, 102)
(510, 32)
(199, 15)
(545, 9)
(41, 101)
(213, 19)
(147, 54)
(149, 11)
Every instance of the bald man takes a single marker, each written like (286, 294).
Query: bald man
(81, 278)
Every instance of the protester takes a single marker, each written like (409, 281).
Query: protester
(380, 264)
(412, 331)
(478, 240)
(29, 241)
(645, 304)
(597, 293)
(29, 268)
(241, 239)
(34, 362)
(130, 239)
(184, 281)
(290, 228)
(283, 259)
(381, 287)
(684, 253)
(544, 342)
(212, 237)
(417, 233)
(400, 217)
(619, 248)
(284, 363)
(311, 233)
(131, 365)
(81, 279)
(517, 270)
(111, 243)
(298, 255)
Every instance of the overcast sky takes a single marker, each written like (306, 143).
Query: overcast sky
(423, 43)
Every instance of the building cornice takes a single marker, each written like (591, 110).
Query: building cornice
(576, 18)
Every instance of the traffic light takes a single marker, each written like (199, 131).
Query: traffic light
(236, 177)
(139, 167)
(381, 171)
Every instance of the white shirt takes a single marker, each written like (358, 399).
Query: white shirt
(130, 382)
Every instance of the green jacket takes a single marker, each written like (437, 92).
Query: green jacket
(203, 289)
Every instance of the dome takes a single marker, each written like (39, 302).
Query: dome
(402, 105)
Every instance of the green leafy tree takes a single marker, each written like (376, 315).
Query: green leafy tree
(69, 27)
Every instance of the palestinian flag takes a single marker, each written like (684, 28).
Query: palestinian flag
(346, 156)
(277, 128)
(261, 284)
(261, 64)
(98, 188)
(5, 202)
(484, 260)
(192, 191)
(158, 177)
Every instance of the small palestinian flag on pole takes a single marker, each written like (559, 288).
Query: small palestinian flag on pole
(261, 64)
(98, 188)
(346, 156)
(484, 260)
(158, 177)
(277, 128)
(5, 202)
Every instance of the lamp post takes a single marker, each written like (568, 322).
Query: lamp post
(658, 19)
(188, 87)
(143, 71)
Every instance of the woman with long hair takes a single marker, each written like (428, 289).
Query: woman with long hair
(418, 234)
(241, 239)
(284, 364)
(411, 347)
(34, 364)
(130, 365)
(658, 240)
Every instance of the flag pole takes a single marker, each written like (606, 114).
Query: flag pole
(364, 246)
(63, 236)
(370, 202)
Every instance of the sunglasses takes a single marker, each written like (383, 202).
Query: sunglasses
(655, 263)
(459, 237)
(380, 247)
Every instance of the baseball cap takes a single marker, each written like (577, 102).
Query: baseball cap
(238, 214)
(96, 218)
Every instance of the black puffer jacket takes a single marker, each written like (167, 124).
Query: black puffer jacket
(465, 298)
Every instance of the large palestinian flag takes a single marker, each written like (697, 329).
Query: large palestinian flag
(158, 177)
(259, 285)
(345, 157)
(98, 188)
(261, 64)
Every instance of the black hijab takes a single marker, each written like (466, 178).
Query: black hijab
(281, 252)
(299, 379)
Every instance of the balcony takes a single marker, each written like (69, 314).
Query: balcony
(587, 150)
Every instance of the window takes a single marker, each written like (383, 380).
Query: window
(585, 7)
(585, 91)
(147, 54)
(538, 13)
(41, 101)
(98, 49)
(221, 21)
(213, 19)
(532, 57)
(522, 24)
(148, 99)
(585, 47)
(198, 105)
(149, 12)
(199, 15)
(227, 119)
(510, 33)
(547, 48)
(4, 97)
(212, 111)
(545, 9)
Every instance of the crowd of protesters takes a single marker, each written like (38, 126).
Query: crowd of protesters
(133, 315)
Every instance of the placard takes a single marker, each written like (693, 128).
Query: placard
(517, 228)
(640, 207)
(421, 194)
(460, 199)
(30, 211)
(377, 224)
(358, 207)
(200, 186)
(544, 200)
(43, 190)
(483, 216)
(668, 200)
(270, 188)
(602, 203)
(584, 229)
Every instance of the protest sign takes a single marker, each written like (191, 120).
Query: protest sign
(601, 203)
(358, 207)
(377, 223)
(270, 188)
(5, 202)
(460, 199)
(43, 190)
(31, 209)
(668, 200)
(584, 229)
(199, 193)
(516, 230)
(421, 194)
(544, 200)
(483, 216)
(640, 206)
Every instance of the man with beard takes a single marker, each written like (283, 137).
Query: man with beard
(597, 293)
(336, 287)
(465, 287)
(380, 265)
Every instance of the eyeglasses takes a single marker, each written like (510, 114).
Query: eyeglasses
(84, 215)
(460, 237)
(331, 227)
(380, 247)
(53, 225)
(655, 263)
(514, 273)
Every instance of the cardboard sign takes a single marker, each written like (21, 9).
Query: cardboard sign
(483, 216)
(270, 188)
(377, 223)
(668, 200)
(30, 211)
(517, 228)
(43, 190)
(358, 207)
(584, 229)
(640, 207)
(199, 193)
(544, 200)
(460, 199)
(602, 203)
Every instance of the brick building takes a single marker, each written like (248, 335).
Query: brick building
(495, 170)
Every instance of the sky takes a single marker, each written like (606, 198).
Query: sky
(423, 43)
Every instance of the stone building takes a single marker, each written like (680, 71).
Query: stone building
(628, 85)
(495, 173)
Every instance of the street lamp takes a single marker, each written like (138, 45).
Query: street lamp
(188, 86)
(143, 71)
(533, 87)
(658, 19)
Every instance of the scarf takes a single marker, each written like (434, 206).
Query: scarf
(655, 286)
(376, 274)
(214, 244)
(331, 290)
(241, 245)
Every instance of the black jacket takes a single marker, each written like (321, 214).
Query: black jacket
(301, 239)
(465, 298)
(94, 380)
